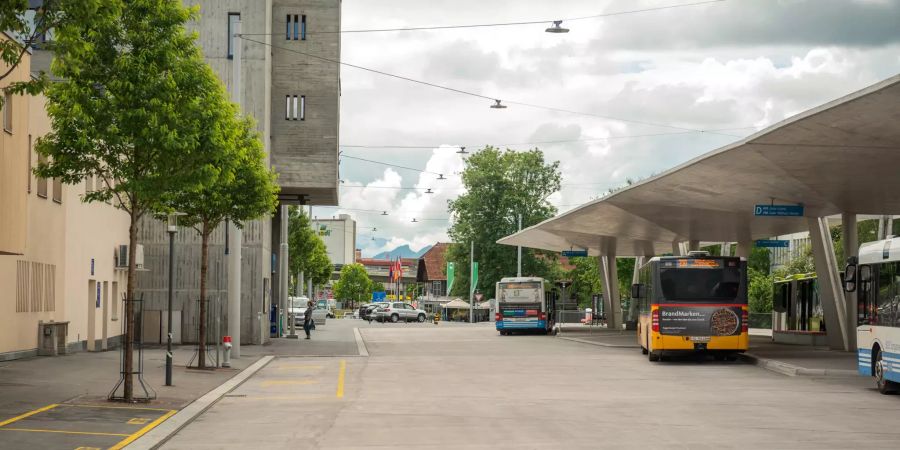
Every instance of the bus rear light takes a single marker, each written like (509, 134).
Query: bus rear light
(655, 321)
(498, 317)
(542, 316)
(745, 318)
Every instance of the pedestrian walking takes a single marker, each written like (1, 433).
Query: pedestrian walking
(307, 318)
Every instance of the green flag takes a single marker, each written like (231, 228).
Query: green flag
(474, 277)
(451, 275)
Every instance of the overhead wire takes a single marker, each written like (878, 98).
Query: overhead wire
(500, 24)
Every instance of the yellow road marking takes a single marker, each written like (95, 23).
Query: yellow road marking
(30, 413)
(114, 407)
(271, 383)
(340, 386)
(144, 430)
(138, 421)
(87, 448)
(39, 430)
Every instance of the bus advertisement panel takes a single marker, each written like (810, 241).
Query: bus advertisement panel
(692, 303)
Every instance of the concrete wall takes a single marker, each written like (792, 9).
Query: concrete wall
(304, 152)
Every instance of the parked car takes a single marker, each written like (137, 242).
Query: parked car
(298, 312)
(399, 311)
(368, 311)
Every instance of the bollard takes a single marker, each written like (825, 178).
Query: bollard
(226, 360)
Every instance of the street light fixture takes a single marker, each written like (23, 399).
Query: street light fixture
(462, 150)
(172, 228)
(441, 176)
(556, 28)
(414, 220)
(384, 213)
(429, 191)
(497, 105)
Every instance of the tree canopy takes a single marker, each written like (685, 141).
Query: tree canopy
(499, 186)
(306, 250)
(354, 285)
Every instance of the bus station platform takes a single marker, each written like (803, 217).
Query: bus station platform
(794, 360)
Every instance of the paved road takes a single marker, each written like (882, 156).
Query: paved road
(466, 387)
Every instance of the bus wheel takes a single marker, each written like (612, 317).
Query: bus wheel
(884, 385)
(653, 356)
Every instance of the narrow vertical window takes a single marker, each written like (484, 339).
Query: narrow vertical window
(29, 164)
(296, 28)
(303, 27)
(302, 107)
(233, 18)
(287, 28)
(42, 182)
(57, 190)
(287, 107)
(295, 108)
(8, 112)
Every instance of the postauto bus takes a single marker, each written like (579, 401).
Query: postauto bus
(876, 277)
(692, 303)
(524, 304)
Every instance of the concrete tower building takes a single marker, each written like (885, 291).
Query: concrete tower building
(290, 83)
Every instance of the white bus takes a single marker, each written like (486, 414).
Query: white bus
(524, 304)
(876, 278)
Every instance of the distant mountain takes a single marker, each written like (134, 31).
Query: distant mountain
(403, 252)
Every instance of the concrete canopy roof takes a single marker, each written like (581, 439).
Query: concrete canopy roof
(843, 156)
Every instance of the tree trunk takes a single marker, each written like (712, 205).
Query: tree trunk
(128, 385)
(204, 265)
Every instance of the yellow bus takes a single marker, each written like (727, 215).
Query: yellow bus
(694, 303)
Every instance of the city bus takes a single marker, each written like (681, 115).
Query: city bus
(875, 274)
(524, 304)
(694, 303)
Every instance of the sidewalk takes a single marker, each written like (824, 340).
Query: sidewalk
(796, 360)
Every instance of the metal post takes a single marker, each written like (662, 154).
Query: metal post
(284, 298)
(172, 230)
(471, 281)
(519, 252)
(234, 233)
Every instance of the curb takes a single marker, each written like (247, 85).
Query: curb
(599, 344)
(792, 370)
(162, 433)
(360, 343)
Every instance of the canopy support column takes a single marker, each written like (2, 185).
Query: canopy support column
(610, 276)
(831, 294)
(850, 239)
(693, 245)
(743, 249)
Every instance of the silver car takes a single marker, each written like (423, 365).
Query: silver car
(399, 311)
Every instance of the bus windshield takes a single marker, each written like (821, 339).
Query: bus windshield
(525, 291)
(700, 283)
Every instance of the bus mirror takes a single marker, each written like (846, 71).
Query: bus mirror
(636, 290)
(850, 275)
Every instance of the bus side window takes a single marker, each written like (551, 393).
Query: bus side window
(884, 294)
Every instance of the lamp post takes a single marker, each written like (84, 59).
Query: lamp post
(172, 222)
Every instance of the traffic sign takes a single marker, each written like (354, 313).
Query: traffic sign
(778, 210)
(478, 296)
(773, 243)
(574, 253)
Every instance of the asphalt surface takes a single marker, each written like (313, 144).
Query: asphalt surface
(462, 386)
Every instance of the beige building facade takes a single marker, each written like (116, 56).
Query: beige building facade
(55, 251)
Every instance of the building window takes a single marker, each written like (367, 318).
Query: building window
(7, 112)
(302, 107)
(88, 184)
(232, 19)
(303, 27)
(57, 190)
(42, 182)
(35, 287)
(28, 174)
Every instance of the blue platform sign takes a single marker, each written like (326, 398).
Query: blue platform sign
(778, 210)
(379, 296)
(574, 253)
(773, 243)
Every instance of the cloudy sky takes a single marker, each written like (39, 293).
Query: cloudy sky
(645, 79)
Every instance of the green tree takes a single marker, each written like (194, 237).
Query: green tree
(306, 250)
(354, 284)
(129, 110)
(585, 278)
(241, 189)
(760, 260)
(499, 186)
(759, 291)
